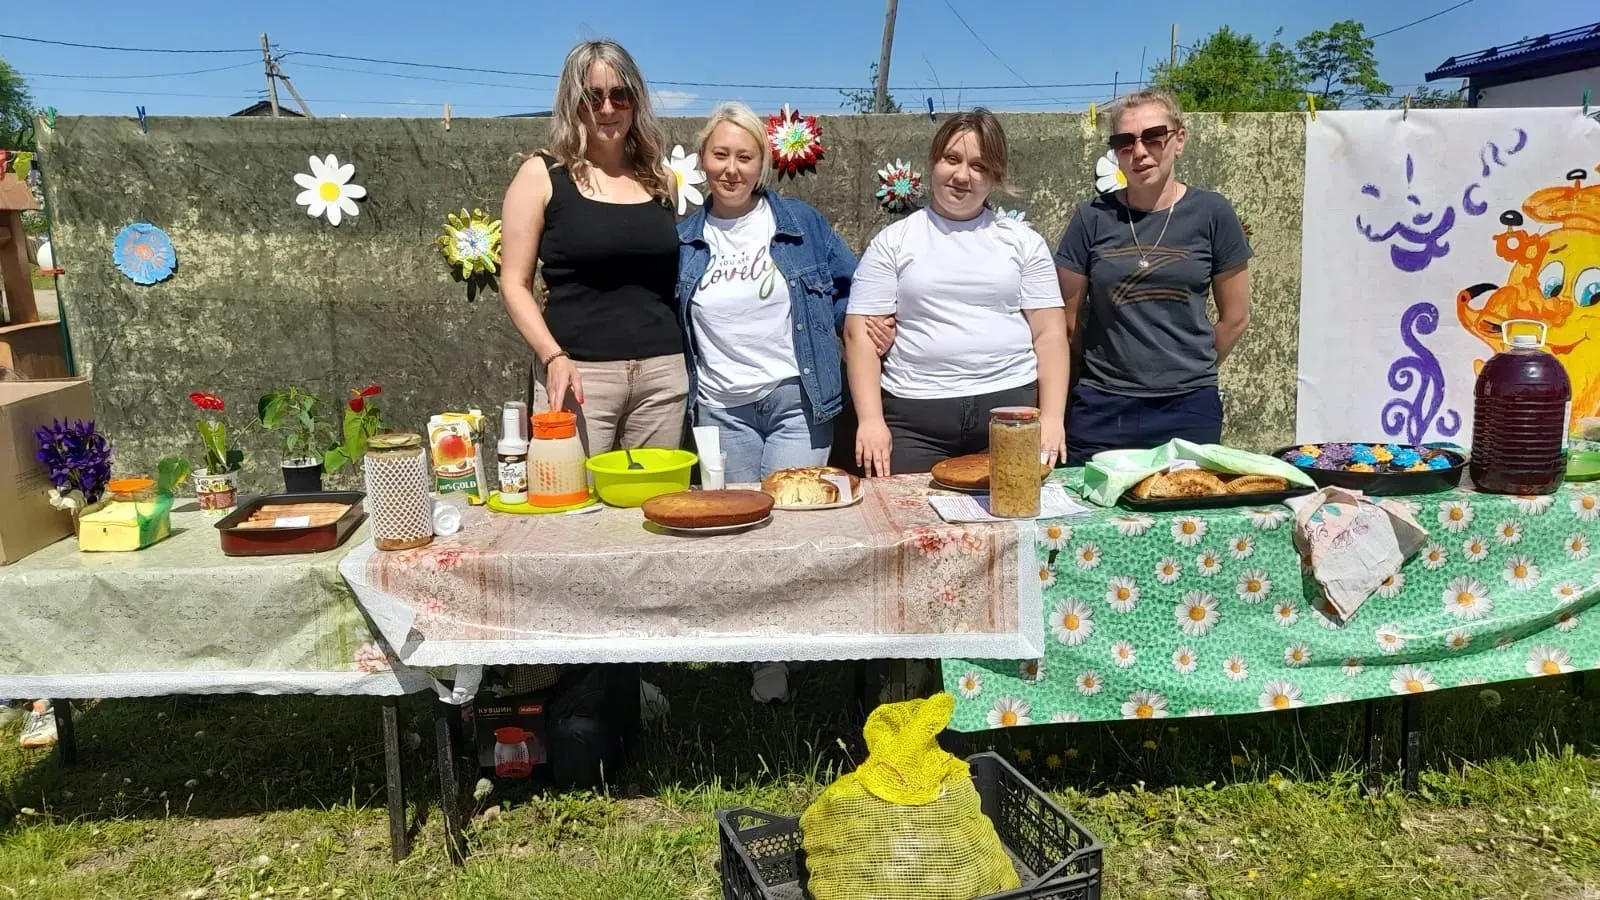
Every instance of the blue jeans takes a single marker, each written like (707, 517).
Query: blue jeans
(776, 432)
(1099, 421)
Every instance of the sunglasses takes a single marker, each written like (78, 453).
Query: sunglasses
(1152, 138)
(620, 97)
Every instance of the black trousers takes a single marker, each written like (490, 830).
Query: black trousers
(928, 431)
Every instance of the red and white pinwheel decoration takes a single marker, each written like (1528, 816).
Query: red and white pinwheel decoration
(796, 141)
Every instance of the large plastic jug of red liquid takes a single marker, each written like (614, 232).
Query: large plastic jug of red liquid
(1521, 404)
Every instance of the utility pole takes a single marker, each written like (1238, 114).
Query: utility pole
(272, 84)
(1174, 61)
(882, 102)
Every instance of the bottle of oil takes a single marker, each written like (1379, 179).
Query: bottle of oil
(1521, 404)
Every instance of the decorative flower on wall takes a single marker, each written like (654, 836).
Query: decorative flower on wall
(471, 243)
(1108, 175)
(900, 186)
(144, 253)
(796, 141)
(686, 170)
(328, 190)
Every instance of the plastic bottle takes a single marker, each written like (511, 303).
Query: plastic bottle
(512, 453)
(1522, 402)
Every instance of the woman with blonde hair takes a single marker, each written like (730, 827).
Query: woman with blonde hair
(595, 207)
(1135, 267)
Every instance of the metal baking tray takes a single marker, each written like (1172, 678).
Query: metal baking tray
(283, 541)
(1214, 501)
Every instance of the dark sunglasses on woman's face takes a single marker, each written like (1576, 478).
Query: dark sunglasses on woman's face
(620, 97)
(1151, 138)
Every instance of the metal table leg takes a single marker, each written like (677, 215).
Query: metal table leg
(395, 780)
(1372, 779)
(449, 785)
(1411, 730)
(66, 735)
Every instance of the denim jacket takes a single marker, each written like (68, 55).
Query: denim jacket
(818, 266)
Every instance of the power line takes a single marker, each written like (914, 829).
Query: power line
(1419, 21)
(36, 40)
(984, 43)
(141, 74)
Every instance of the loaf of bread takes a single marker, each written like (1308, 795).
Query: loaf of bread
(708, 509)
(807, 486)
(971, 472)
(1180, 483)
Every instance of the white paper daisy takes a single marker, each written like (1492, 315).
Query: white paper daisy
(1281, 695)
(1458, 639)
(1412, 680)
(1145, 705)
(1336, 697)
(1063, 717)
(1466, 599)
(1577, 548)
(1184, 659)
(1352, 667)
(1188, 530)
(1566, 621)
(328, 191)
(1200, 712)
(1196, 613)
(1390, 638)
(1508, 533)
(1236, 668)
(1286, 613)
(1010, 712)
(1047, 578)
(1435, 557)
(1088, 557)
(686, 170)
(1055, 536)
(1296, 655)
(1266, 518)
(1241, 546)
(1475, 549)
(1521, 572)
(1168, 571)
(1566, 592)
(1544, 660)
(1254, 585)
(970, 685)
(1133, 525)
(1534, 505)
(1108, 175)
(1586, 507)
(1090, 683)
(1072, 622)
(1456, 515)
(1122, 593)
(1208, 563)
(1123, 655)
(1392, 586)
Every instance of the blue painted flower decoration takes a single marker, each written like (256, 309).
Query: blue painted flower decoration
(144, 253)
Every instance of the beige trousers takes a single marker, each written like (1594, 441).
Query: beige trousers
(627, 404)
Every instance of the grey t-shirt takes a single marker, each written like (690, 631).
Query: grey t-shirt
(1145, 330)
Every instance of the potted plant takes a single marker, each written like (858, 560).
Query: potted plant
(362, 420)
(215, 486)
(78, 457)
(304, 434)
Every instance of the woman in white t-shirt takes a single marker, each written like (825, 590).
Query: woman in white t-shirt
(978, 311)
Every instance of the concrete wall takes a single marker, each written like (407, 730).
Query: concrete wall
(265, 296)
(1565, 89)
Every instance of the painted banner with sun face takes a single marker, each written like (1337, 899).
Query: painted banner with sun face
(1424, 234)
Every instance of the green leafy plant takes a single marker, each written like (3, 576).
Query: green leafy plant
(295, 412)
(214, 435)
(362, 420)
(170, 472)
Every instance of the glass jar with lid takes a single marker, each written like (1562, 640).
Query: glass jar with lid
(1015, 439)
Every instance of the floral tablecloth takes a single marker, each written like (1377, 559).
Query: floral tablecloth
(884, 578)
(182, 618)
(1210, 613)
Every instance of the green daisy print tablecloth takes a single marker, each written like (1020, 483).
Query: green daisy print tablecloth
(1210, 613)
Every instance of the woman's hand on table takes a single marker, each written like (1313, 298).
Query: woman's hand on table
(881, 329)
(873, 443)
(1052, 442)
(562, 375)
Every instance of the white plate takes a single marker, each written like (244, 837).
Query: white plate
(809, 507)
(714, 529)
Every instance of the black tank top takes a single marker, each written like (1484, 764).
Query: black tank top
(612, 270)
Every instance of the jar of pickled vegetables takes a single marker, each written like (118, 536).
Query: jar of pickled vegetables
(1014, 467)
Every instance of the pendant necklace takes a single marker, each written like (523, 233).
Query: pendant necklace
(1143, 262)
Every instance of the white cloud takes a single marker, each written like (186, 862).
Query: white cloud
(673, 99)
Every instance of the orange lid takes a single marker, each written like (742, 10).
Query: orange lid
(128, 485)
(553, 426)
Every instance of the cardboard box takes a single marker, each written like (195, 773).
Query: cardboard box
(519, 720)
(27, 520)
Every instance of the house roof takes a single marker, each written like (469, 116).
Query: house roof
(1574, 48)
(264, 108)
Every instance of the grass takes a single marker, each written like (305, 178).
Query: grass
(254, 797)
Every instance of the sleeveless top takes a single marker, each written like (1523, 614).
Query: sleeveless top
(612, 270)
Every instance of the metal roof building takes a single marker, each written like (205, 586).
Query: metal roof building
(1549, 70)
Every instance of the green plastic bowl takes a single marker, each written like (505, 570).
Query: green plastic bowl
(664, 472)
(1583, 466)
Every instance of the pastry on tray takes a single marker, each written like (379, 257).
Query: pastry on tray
(971, 472)
(1180, 483)
(708, 509)
(807, 486)
(1256, 484)
(320, 514)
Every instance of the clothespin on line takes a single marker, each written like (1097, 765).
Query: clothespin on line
(144, 126)
(1586, 101)
(1311, 106)
(1094, 116)
(447, 117)
(1406, 109)
(50, 117)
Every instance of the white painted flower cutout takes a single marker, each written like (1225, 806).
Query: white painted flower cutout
(328, 191)
(1108, 175)
(686, 169)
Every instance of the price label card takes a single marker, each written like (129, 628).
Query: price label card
(292, 522)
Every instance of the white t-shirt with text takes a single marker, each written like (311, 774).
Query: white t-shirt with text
(743, 322)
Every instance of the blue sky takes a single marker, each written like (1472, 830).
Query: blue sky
(810, 47)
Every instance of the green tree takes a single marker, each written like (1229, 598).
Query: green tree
(1338, 65)
(1231, 71)
(1435, 98)
(865, 100)
(16, 110)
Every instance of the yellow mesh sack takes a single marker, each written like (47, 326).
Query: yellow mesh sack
(906, 825)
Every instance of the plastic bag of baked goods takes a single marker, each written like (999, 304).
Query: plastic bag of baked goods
(1111, 473)
(906, 825)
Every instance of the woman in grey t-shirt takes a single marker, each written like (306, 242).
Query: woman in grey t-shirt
(1145, 258)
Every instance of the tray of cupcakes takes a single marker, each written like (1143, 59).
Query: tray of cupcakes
(1379, 469)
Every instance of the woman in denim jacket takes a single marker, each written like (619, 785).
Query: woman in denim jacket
(763, 283)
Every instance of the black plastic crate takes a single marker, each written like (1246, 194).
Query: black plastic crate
(1056, 858)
